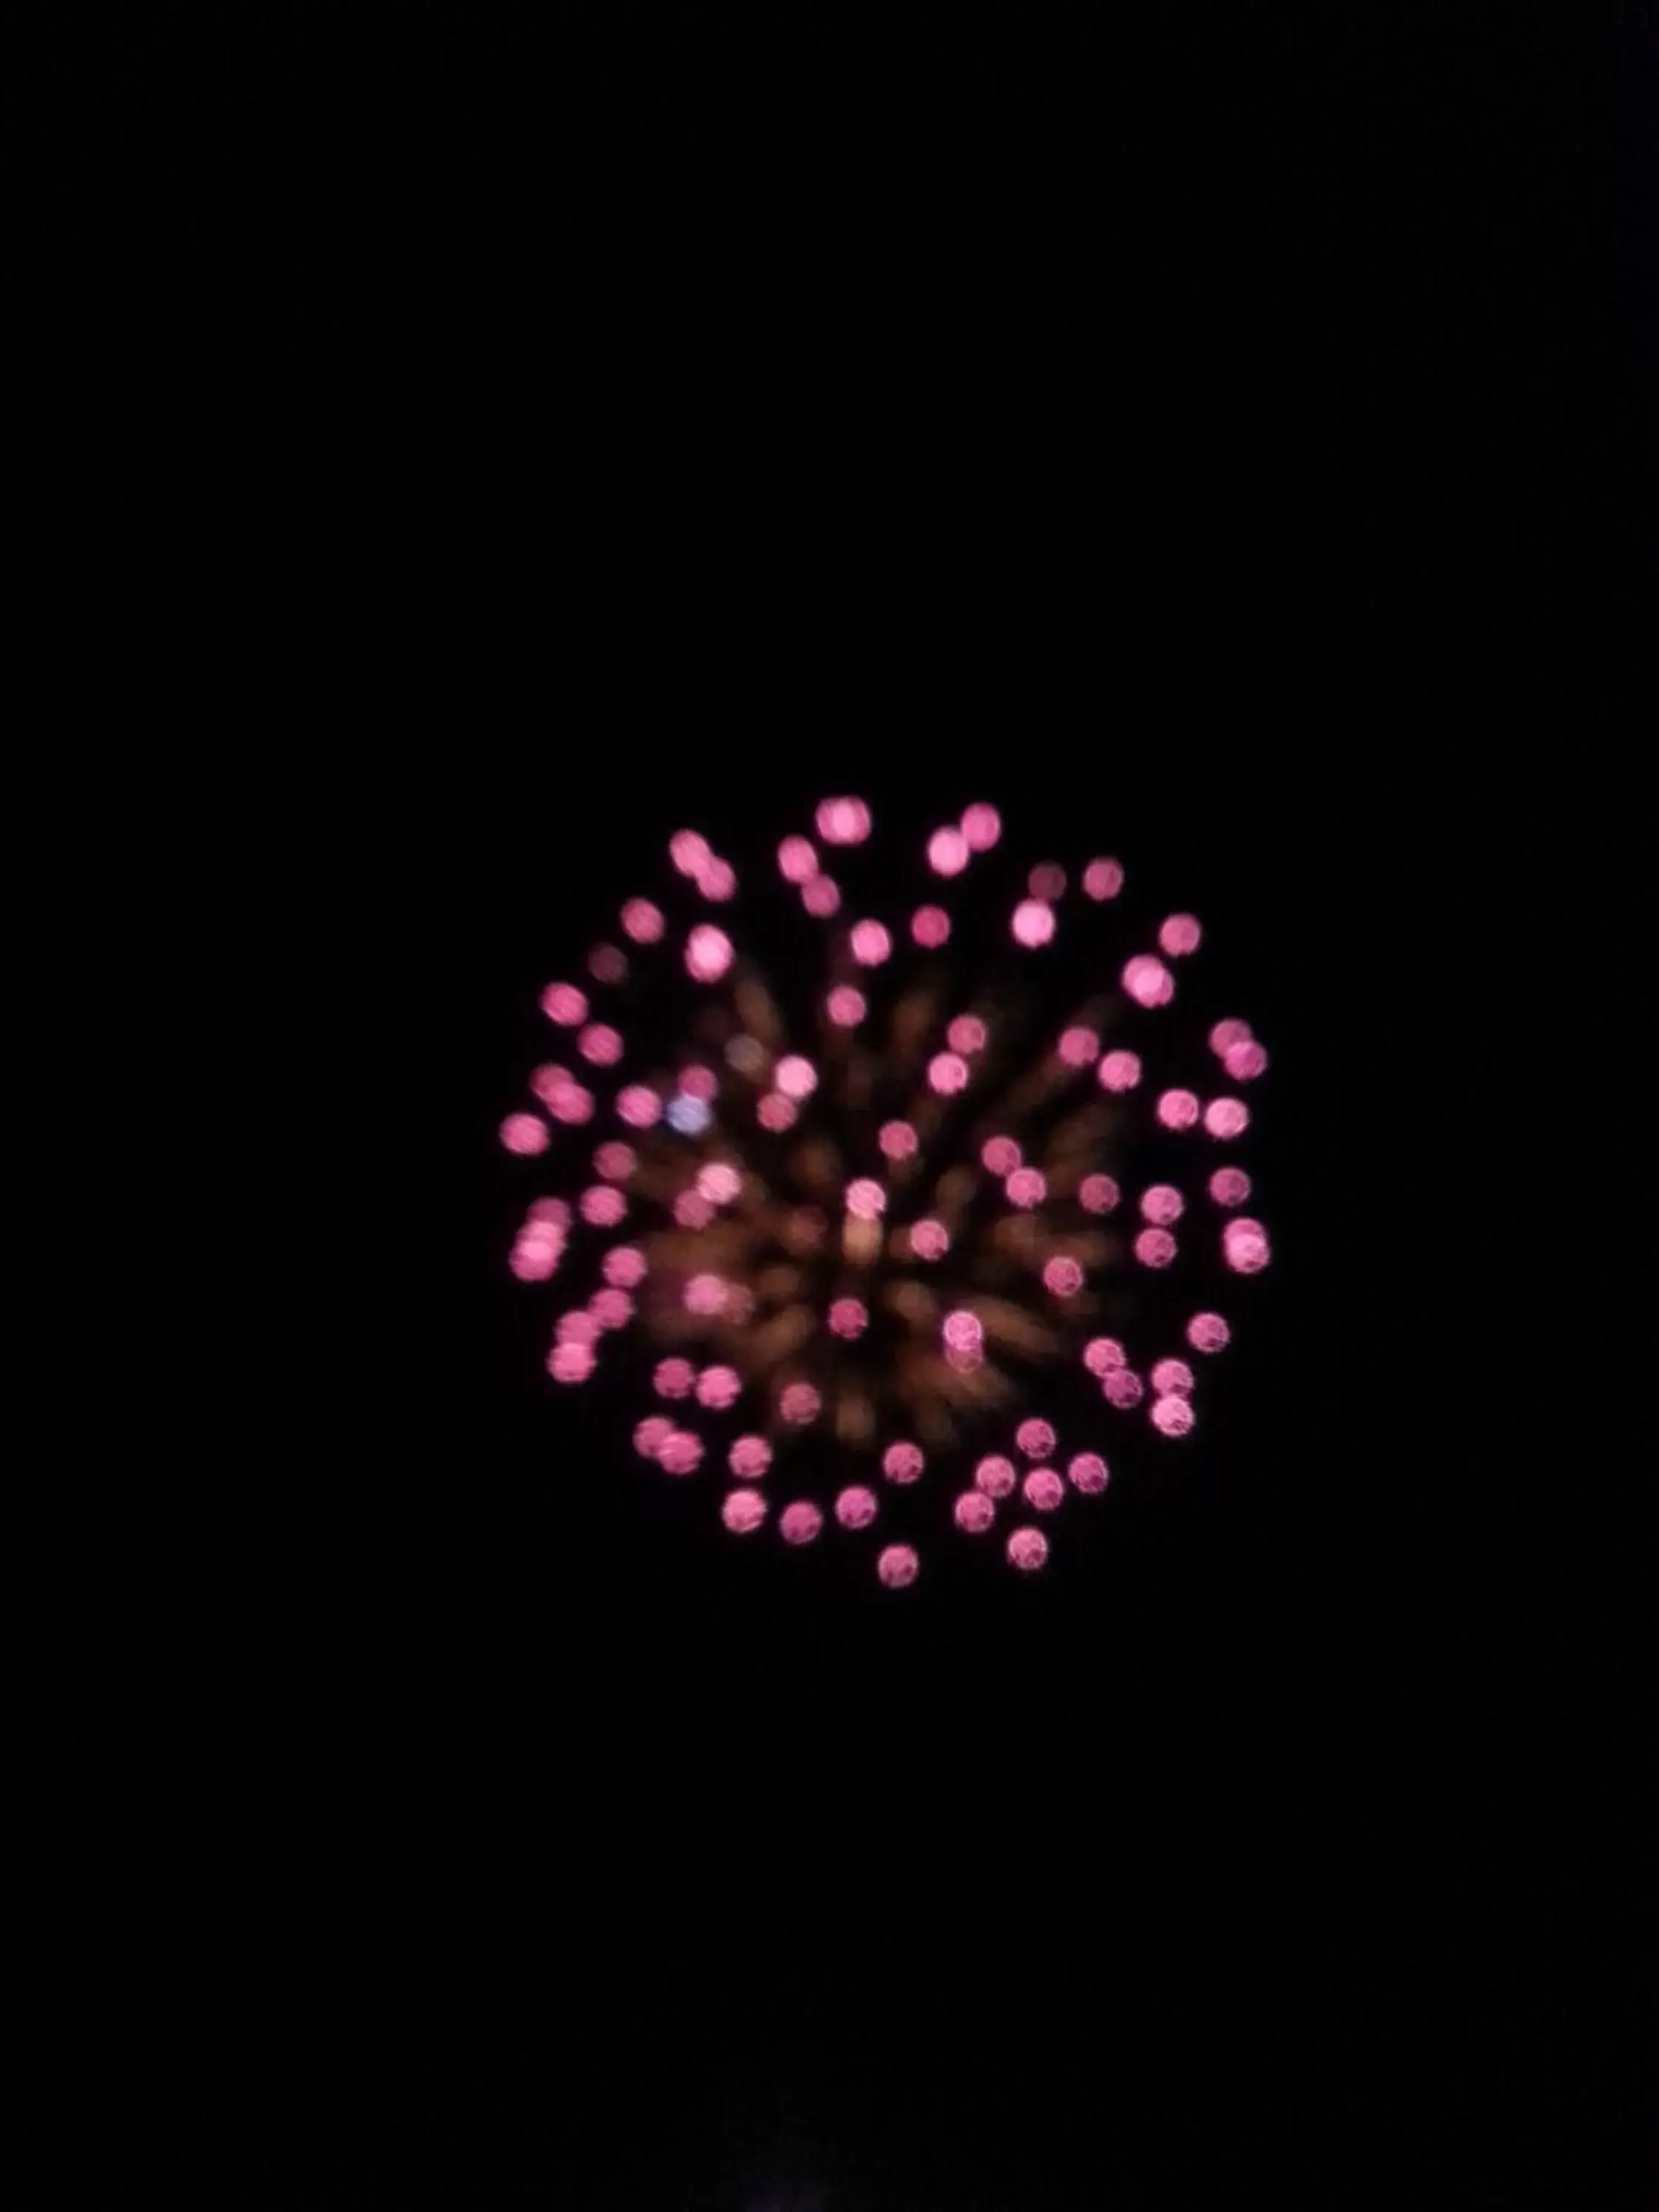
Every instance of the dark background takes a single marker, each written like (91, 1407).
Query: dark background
(1223, 437)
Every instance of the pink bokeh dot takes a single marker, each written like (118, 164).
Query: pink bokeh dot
(719, 1183)
(961, 1329)
(611, 1309)
(1123, 1388)
(1043, 1489)
(578, 1326)
(856, 1507)
(964, 1357)
(1245, 1061)
(574, 1105)
(642, 921)
(564, 1003)
(551, 1082)
(1089, 1474)
(1244, 1246)
(614, 1160)
(1036, 1438)
(705, 1295)
(871, 942)
(1228, 1034)
(995, 1476)
(550, 1213)
(1208, 1332)
(799, 1523)
(847, 1317)
(947, 852)
(688, 851)
(901, 1462)
(650, 1434)
(966, 1034)
(1181, 934)
(1172, 1416)
(1028, 1549)
(1047, 882)
(674, 1378)
(1000, 1155)
(624, 1267)
(680, 1452)
(1026, 1187)
(865, 1199)
(525, 1134)
(1079, 1046)
(981, 825)
(1148, 982)
(898, 1566)
(708, 953)
(717, 879)
(798, 860)
(638, 1104)
(1230, 1187)
(749, 1458)
(845, 1006)
(743, 1512)
(1155, 1248)
(570, 1362)
(1097, 1193)
(775, 1112)
(947, 1073)
(719, 1387)
(607, 963)
(842, 821)
(1162, 1203)
(536, 1259)
(1102, 1354)
(701, 1083)
(1226, 1118)
(974, 1512)
(692, 1210)
(930, 1239)
(1172, 1378)
(1103, 880)
(1178, 1110)
(600, 1044)
(799, 1404)
(930, 926)
(1062, 1277)
(898, 1139)
(1120, 1071)
(1033, 923)
(795, 1076)
(602, 1205)
(821, 897)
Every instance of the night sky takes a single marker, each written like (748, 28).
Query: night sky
(1221, 438)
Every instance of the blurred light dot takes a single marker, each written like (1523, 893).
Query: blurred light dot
(1245, 1248)
(800, 1522)
(642, 921)
(1229, 1186)
(981, 825)
(930, 926)
(898, 1566)
(1102, 1354)
(947, 852)
(821, 897)
(1043, 1489)
(856, 1507)
(1103, 880)
(1245, 1061)
(947, 1073)
(799, 1404)
(743, 1512)
(717, 879)
(775, 1112)
(692, 1210)
(603, 1204)
(1162, 1203)
(680, 1452)
(1208, 1332)
(1047, 882)
(524, 1134)
(1172, 1378)
(624, 1268)
(1178, 1110)
(962, 1327)
(708, 953)
(1026, 1187)
(1033, 923)
(1148, 982)
(964, 1357)
(1120, 1071)
(611, 1309)
(550, 1083)
(798, 860)
(614, 1160)
(705, 1294)
(720, 1182)
(564, 1003)
(688, 851)
(871, 942)
(573, 1104)
(1123, 1387)
(995, 1476)
(600, 1044)
(536, 1259)
(930, 1239)
(1225, 1035)
(1079, 1046)
(1181, 934)
(795, 1076)
(698, 1082)
(966, 1034)
(1036, 1438)
(1062, 1276)
(901, 1462)
(974, 1512)
(719, 1387)
(689, 1116)
(571, 1362)
(749, 1458)
(674, 1378)
(1089, 1474)
(578, 1326)
(1097, 1193)
(1172, 1417)
(638, 1105)
(1155, 1248)
(553, 1212)
(1028, 1549)
(1226, 1118)
(865, 1199)
(606, 963)
(650, 1434)
(847, 1317)
(1000, 1155)
(843, 821)
(898, 1139)
(845, 1006)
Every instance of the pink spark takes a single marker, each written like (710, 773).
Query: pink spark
(981, 825)
(1000, 1156)
(1162, 1203)
(689, 851)
(571, 1363)
(719, 1387)
(1229, 1186)
(901, 1462)
(650, 1434)
(1079, 1046)
(719, 1183)
(717, 879)
(1033, 923)
(642, 921)
(1226, 1118)
(1043, 1489)
(1172, 1417)
(974, 1512)
(821, 897)
(947, 852)
(564, 1003)
(536, 1259)
(847, 1317)
(611, 1309)
(898, 1566)
(966, 1034)
(795, 1076)
(1208, 1332)
(1062, 1276)
(775, 1112)
(856, 1506)
(551, 1082)
(1181, 934)
(607, 964)
(1047, 882)
(638, 1104)
(1097, 1193)
(614, 1160)
(1026, 1187)
(800, 1522)
(743, 1512)
(845, 1006)
(1244, 1246)
(692, 1210)
(930, 926)
(1123, 1388)
(1245, 1061)
(749, 1458)
(898, 1139)
(1227, 1034)
(573, 1105)
(1103, 880)
(674, 1378)
(1089, 1474)
(871, 942)
(1148, 982)
(798, 860)
(961, 1329)
(1028, 1549)
(865, 1199)
(708, 953)
(1178, 1110)
(600, 1044)
(578, 1326)
(1155, 1248)
(995, 1476)
(680, 1452)
(930, 1239)
(1102, 1354)
(1036, 1438)
(947, 1073)
(1119, 1070)
(1172, 1378)
(524, 1134)
(843, 821)
(602, 1205)
(705, 1294)
(799, 1404)
(624, 1268)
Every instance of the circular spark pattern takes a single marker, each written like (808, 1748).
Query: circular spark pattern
(891, 1256)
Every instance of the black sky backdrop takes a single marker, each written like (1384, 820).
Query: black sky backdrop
(1221, 437)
